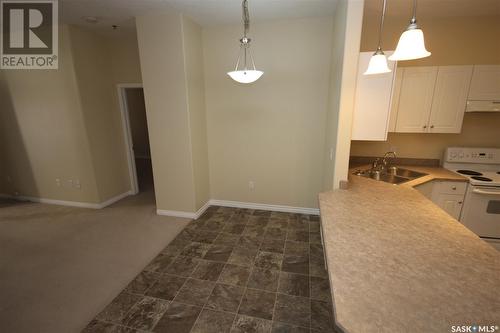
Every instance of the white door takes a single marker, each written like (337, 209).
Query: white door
(372, 102)
(415, 99)
(450, 99)
(485, 84)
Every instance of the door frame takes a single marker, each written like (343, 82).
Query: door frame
(127, 133)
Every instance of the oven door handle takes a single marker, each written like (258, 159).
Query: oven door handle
(479, 191)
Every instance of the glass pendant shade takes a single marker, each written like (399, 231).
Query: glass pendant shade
(378, 61)
(245, 76)
(377, 64)
(411, 46)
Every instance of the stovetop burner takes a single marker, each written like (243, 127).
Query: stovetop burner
(483, 179)
(470, 172)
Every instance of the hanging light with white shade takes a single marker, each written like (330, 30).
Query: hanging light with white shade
(245, 74)
(378, 61)
(411, 44)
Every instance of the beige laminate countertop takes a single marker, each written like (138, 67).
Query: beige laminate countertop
(398, 263)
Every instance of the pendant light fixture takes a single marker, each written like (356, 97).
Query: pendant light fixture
(411, 44)
(378, 61)
(244, 74)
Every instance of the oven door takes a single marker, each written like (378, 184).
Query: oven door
(481, 211)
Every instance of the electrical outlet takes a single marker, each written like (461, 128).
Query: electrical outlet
(331, 154)
(70, 182)
(77, 184)
(251, 185)
(58, 182)
(9, 179)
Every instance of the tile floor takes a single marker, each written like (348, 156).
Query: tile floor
(232, 270)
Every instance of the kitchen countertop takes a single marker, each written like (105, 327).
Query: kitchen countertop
(398, 263)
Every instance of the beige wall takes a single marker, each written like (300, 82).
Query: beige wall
(124, 53)
(479, 130)
(452, 41)
(101, 117)
(173, 92)
(193, 52)
(42, 133)
(138, 122)
(270, 132)
(346, 40)
(64, 124)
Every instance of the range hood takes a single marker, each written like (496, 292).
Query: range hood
(482, 106)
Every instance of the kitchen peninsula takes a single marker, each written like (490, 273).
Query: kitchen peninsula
(398, 263)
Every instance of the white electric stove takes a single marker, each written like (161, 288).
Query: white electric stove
(481, 208)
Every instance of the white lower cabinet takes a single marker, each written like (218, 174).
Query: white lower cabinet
(450, 203)
(446, 194)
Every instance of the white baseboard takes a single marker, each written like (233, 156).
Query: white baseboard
(114, 199)
(276, 208)
(187, 215)
(237, 204)
(176, 213)
(69, 203)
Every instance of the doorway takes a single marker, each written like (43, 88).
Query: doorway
(136, 135)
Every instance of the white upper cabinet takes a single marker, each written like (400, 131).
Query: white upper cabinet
(485, 83)
(450, 98)
(431, 99)
(372, 102)
(415, 99)
(396, 91)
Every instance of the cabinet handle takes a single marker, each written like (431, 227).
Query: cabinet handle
(425, 126)
(432, 126)
(453, 188)
(460, 202)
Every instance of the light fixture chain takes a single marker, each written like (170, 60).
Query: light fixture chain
(414, 18)
(381, 28)
(246, 18)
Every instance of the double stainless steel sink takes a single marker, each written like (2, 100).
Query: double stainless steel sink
(393, 175)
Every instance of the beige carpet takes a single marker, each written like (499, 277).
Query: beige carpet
(60, 266)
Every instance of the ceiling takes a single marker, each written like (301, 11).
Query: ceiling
(219, 12)
(435, 8)
(204, 12)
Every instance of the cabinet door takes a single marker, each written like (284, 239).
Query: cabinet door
(450, 99)
(396, 92)
(426, 189)
(372, 102)
(450, 203)
(485, 83)
(415, 99)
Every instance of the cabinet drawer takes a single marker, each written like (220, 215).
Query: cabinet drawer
(451, 187)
